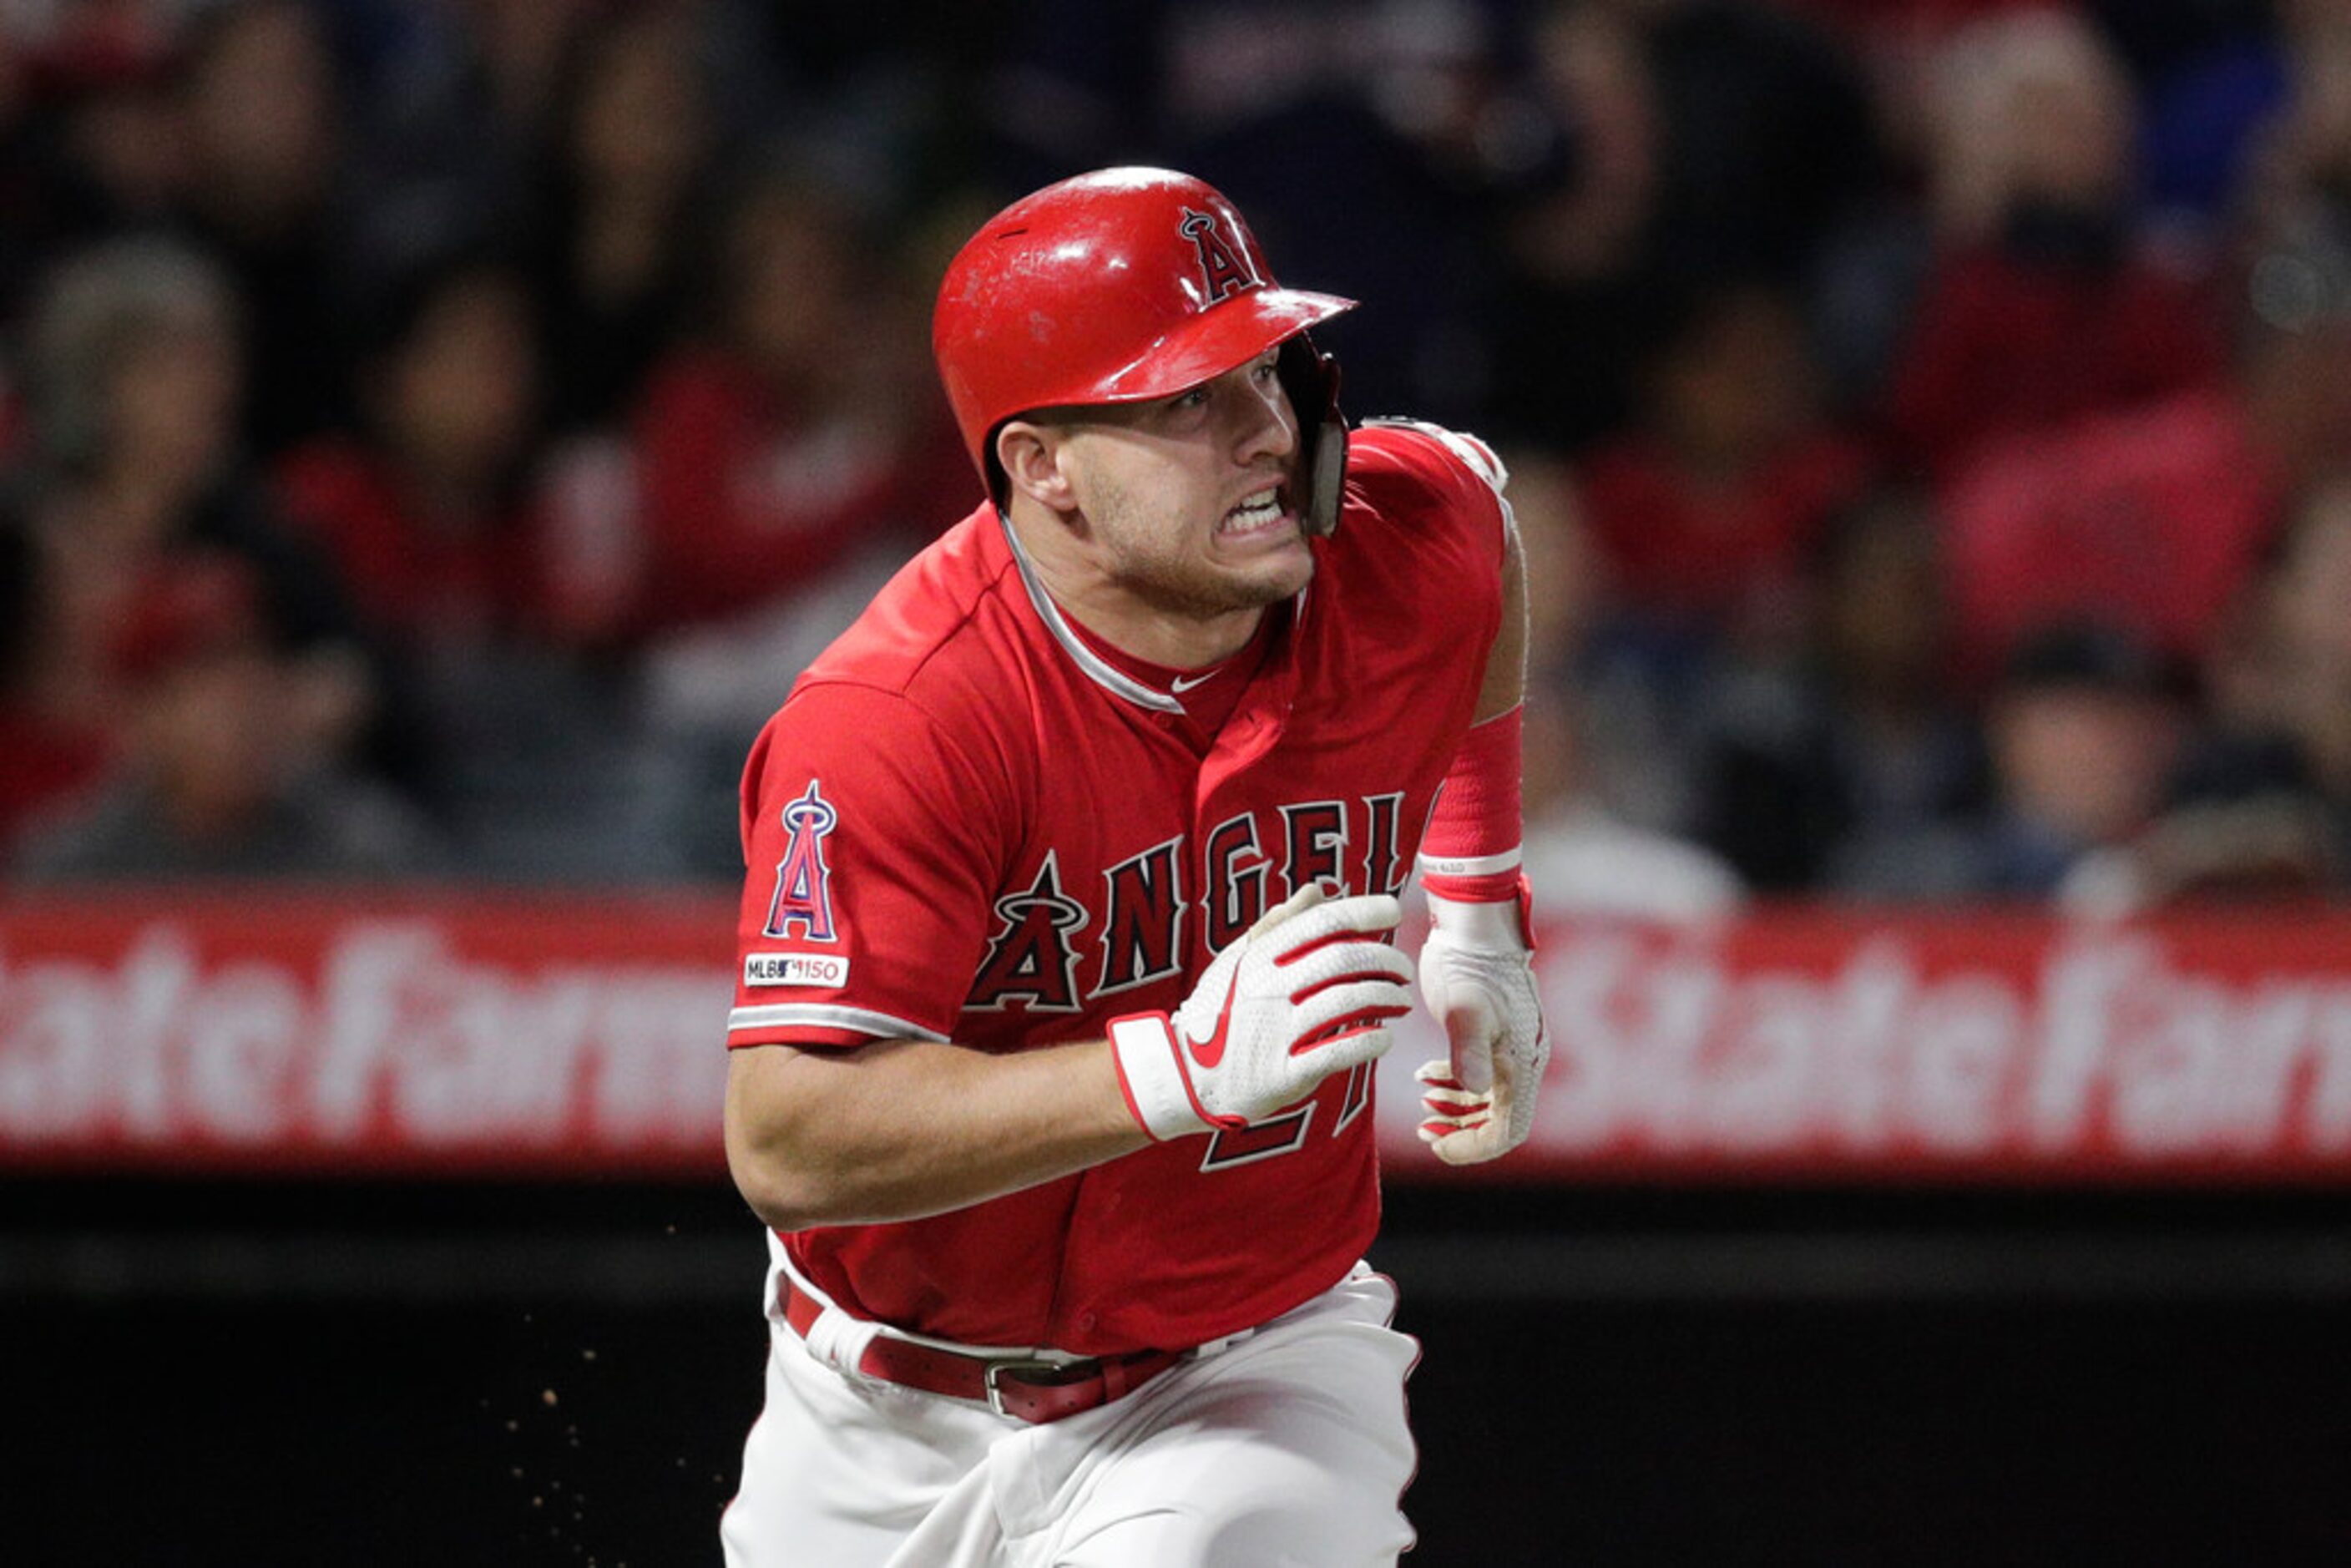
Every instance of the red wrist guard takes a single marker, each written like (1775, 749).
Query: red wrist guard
(1470, 852)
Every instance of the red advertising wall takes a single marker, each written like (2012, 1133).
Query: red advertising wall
(1975, 1046)
(581, 1034)
(584, 1035)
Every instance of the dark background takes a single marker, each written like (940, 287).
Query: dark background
(359, 1374)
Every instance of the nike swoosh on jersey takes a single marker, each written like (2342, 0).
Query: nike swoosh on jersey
(1183, 683)
(1209, 1052)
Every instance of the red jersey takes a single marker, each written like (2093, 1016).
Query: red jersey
(966, 823)
(1679, 548)
(746, 500)
(410, 577)
(2154, 519)
(2001, 347)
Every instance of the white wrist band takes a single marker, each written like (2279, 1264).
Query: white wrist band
(1494, 925)
(1144, 1047)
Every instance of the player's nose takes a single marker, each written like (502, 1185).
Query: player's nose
(1268, 428)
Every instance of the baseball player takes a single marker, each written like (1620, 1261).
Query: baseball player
(1066, 944)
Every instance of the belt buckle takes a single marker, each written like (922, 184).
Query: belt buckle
(1035, 1368)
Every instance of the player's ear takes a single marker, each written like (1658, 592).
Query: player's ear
(1031, 456)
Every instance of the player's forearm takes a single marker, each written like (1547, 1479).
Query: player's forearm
(899, 1129)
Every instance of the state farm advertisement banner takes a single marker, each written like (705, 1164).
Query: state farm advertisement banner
(584, 1035)
(525, 1036)
(1817, 1043)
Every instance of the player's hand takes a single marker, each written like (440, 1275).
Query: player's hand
(1476, 974)
(1305, 992)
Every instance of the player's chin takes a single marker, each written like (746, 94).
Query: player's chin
(1277, 553)
(1277, 575)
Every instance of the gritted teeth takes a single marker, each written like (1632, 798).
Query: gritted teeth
(1260, 509)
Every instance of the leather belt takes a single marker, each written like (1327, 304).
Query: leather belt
(1025, 1388)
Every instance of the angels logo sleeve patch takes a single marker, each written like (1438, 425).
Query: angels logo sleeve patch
(856, 923)
(802, 900)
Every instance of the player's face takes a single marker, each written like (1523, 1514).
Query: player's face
(1191, 501)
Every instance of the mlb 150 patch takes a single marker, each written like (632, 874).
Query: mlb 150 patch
(817, 969)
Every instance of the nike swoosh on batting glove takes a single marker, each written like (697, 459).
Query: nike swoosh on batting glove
(1305, 992)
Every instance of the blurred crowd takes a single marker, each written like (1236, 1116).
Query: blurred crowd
(434, 432)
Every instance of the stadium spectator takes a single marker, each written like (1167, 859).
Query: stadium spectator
(1576, 252)
(1772, 144)
(1705, 141)
(1858, 740)
(427, 509)
(2294, 206)
(505, 716)
(134, 378)
(2262, 804)
(216, 781)
(2040, 307)
(2310, 615)
(89, 136)
(2084, 729)
(450, 108)
(1322, 114)
(2157, 517)
(53, 750)
(1326, 114)
(2240, 823)
(790, 441)
(2210, 110)
(630, 153)
(262, 112)
(1705, 512)
(1590, 846)
(786, 467)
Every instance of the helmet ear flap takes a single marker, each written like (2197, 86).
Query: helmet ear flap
(1310, 380)
(992, 468)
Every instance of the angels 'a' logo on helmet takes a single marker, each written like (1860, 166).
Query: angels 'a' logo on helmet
(1225, 267)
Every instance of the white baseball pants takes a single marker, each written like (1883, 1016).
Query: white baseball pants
(1285, 1448)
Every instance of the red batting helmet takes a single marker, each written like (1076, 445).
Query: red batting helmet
(1122, 286)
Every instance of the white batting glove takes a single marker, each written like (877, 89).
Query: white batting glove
(1476, 974)
(1305, 992)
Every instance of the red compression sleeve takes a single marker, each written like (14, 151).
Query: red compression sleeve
(1470, 852)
